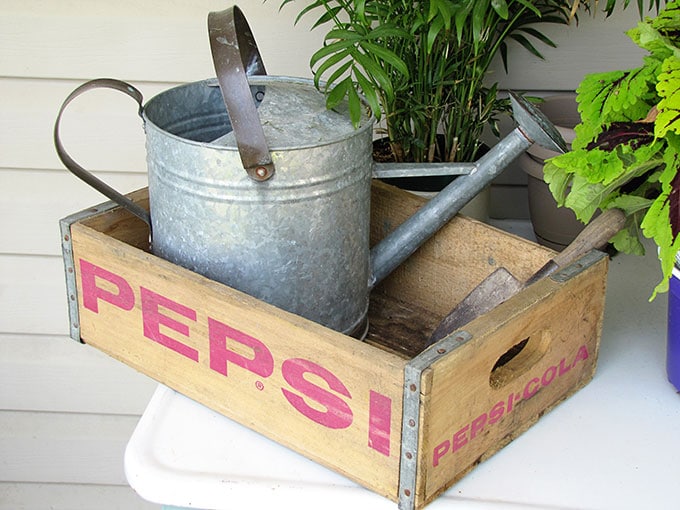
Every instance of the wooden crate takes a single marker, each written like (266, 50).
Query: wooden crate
(404, 422)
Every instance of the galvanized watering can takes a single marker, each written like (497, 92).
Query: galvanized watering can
(255, 184)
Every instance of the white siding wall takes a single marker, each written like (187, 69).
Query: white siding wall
(66, 410)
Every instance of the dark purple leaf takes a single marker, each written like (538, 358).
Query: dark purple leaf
(674, 202)
(621, 133)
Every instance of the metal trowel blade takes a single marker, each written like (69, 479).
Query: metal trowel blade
(494, 289)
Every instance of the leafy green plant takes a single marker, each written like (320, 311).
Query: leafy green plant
(627, 148)
(422, 64)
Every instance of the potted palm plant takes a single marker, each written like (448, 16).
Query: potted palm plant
(422, 65)
(626, 155)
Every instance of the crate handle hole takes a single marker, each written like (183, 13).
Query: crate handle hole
(518, 359)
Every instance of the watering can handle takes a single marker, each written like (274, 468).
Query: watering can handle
(78, 170)
(235, 55)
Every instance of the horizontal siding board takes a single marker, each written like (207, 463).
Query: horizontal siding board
(38, 199)
(592, 45)
(161, 42)
(143, 41)
(100, 129)
(39, 496)
(32, 295)
(57, 374)
(64, 447)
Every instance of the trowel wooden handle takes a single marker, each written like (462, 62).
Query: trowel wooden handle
(595, 235)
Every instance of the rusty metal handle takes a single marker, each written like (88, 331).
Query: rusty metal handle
(78, 170)
(235, 55)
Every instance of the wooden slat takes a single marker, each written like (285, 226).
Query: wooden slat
(449, 265)
(57, 374)
(38, 496)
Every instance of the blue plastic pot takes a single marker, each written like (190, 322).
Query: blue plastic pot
(673, 352)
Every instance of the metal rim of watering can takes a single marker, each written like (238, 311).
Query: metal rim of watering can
(235, 55)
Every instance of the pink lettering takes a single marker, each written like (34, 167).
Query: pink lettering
(494, 415)
(549, 376)
(261, 363)
(460, 439)
(564, 368)
(439, 451)
(531, 388)
(337, 414)
(379, 422)
(89, 273)
(152, 319)
(497, 412)
(582, 354)
(477, 425)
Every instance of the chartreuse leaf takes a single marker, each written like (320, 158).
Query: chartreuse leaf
(615, 161)
(584, 197)
(660, 35)
(627, 240)
(630, 204)
(592, 93)
(656, 223)
(557, 180)
(668, 88)
(587, 180)
(616, 96)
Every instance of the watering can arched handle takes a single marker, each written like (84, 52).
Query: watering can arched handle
(235, 56)
(78, 170)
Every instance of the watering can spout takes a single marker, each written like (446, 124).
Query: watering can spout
(532, 127)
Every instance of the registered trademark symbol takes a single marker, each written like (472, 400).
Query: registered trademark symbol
(259, 385)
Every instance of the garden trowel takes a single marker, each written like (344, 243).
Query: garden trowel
(502, 285)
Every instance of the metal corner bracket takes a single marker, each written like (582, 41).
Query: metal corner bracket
(567, 273)
(410, 425)
(69, 263)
